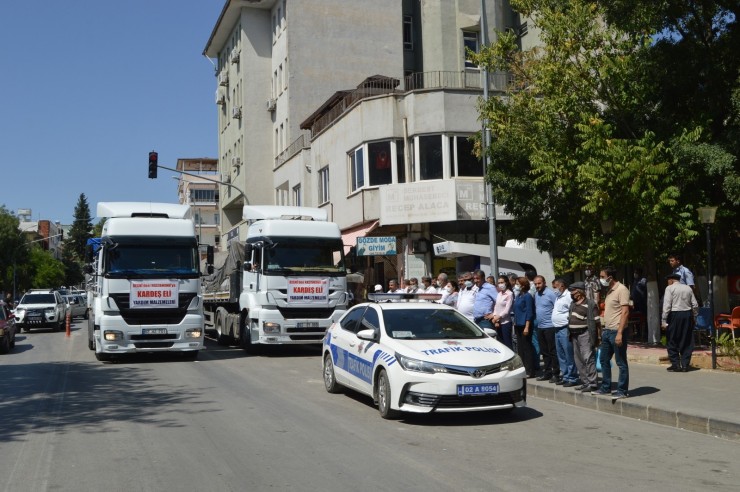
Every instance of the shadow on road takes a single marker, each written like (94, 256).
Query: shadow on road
(58, 396)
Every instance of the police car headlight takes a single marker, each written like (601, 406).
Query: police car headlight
(416, 365)
(512, 364)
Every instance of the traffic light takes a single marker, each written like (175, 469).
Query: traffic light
(153, 165)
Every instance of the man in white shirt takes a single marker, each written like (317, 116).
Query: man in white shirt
(679, 307)
(442, 286)
(466, 296)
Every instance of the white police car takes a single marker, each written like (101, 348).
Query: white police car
(420, 357)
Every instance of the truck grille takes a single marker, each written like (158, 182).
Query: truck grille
(306, 313)
(153, 316)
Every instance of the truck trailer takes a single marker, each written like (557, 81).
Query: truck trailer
(284, 285)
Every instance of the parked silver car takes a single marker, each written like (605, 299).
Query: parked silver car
(76, 306)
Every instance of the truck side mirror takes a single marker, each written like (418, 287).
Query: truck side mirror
(209, 269)
(248, 248)
(247, 266)
(209, 255)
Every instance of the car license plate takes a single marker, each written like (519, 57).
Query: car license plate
(308, 324)
(154, 331)
(477, 389)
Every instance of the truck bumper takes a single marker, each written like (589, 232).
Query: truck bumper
(115, 336)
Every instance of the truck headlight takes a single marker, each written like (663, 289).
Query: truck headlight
(271, 327)
(417, 365)
(112, 335)
(512, 364)
(193, 333)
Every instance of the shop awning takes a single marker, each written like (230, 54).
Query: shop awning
(349, 237)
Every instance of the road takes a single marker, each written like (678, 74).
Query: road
(230, 422)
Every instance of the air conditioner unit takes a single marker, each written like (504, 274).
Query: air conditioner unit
(220, 97)
(223, 78)
(234, 55)
(236, 161)
(236, 112)
(271, 104)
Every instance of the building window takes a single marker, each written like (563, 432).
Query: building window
(297, 196)
(430, 157)
(203, 196)
(400, 161)
(470, 41)
(356, 170)
(380, 169)
(408, 33)
(323, 185)
(466, 162)
(281, 194)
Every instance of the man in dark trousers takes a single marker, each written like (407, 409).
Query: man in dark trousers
(679, 309)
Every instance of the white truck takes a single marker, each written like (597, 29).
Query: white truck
(145, 282)
(286, 284)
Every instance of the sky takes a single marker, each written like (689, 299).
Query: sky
(89, 87)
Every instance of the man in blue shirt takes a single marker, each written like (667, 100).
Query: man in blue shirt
(563, 344)
(684, 274)
(485, 299)
(544, 302)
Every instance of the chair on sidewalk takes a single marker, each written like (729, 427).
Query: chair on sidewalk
(728, 322)
(703, 326)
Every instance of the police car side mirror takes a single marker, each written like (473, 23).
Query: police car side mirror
(368, 335)
(490, 332)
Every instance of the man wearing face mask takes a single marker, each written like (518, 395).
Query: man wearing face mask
(582, 322)
(442, 287)
(485, 299)
(563, 345)
(466, 296)
(544, 302)
(614, 335)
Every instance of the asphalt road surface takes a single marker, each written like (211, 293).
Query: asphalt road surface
(231, 422)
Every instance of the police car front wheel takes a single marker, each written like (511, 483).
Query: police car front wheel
(330, 382)
(384, 397)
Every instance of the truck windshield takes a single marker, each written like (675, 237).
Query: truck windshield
(144, 260)
(300, 255)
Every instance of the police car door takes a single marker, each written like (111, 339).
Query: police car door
(340, 343)
(359, 356)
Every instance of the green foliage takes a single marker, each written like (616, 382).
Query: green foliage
(81, 229)
(48, 272)
(581, 135)
(726, 345)
(11, 247)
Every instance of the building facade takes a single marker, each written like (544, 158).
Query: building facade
(199, 189)
(364, 111)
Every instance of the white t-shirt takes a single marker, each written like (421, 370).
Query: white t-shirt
(466, 300)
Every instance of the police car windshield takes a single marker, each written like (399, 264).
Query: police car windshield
(428, 324)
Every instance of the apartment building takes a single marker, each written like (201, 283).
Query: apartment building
(199, 189)
(364, 110)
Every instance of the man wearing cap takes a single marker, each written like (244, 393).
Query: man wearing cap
(679, 304)
(583, 333)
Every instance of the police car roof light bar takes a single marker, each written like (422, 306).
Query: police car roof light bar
(403, 297)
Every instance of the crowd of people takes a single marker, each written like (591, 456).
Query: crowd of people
(563, 332)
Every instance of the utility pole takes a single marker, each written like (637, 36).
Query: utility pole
(490, 199)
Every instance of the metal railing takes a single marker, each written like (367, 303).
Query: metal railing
(464, 79)
(300, 143)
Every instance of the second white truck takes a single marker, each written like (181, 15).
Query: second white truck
(285, 284)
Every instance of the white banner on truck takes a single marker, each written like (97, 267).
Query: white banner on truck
(308, 291)
(153, 294)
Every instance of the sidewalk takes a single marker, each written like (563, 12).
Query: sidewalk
(701, 400)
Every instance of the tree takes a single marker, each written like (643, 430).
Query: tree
(585, 134)
(569, 148)
(12, 250)
(81, 229)
(48, 272)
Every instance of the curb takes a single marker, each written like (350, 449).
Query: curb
(633, 409)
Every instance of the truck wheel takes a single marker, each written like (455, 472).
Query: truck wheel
(245, 338)
(223, 337)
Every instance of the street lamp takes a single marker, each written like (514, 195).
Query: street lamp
(706, 216)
